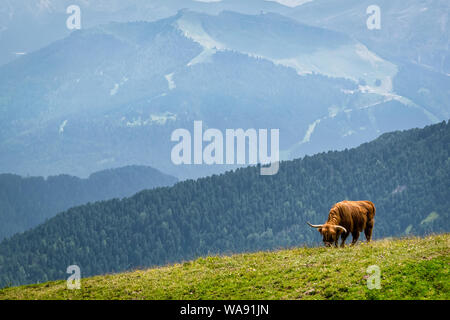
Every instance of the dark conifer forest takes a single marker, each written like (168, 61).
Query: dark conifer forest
(26, 202)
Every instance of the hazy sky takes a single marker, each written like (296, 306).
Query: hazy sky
(290, 3)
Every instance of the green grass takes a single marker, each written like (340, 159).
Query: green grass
(411, 268)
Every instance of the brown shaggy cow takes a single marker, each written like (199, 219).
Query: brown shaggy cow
(347, 217)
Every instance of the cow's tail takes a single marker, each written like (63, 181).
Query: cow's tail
(373, 209)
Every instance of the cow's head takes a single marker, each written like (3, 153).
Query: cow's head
(329, 232)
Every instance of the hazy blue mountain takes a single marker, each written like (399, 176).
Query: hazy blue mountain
(406, 174)
(28, 25)
(413, 32)
(111, 95)
(414, 35)
(28, 201)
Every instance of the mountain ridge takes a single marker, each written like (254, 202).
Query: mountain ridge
(26, 202)
(127, 86)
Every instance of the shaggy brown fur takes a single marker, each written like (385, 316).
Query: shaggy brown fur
(347, 217)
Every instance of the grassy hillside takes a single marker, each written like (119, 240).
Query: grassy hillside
(412, 268)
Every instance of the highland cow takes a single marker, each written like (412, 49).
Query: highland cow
(347, 217)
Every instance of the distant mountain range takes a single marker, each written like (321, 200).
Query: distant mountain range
(412, 32)
(111, 95)
(26, 202)
(28, 25)
(415, 31)
(406, 174)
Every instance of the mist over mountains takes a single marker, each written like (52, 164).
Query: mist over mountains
(28, 25)
(412, 32)
(110, 95)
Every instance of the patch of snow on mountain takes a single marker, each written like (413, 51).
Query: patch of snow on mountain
(203, 57)
(162, 119)
(348, 133)
(348, 61)
(392, 96)
(333, 111)
(114, 90)
(158, 119)
(310, 131)
(61, 127)
(346, 91)
(171, 83)
(297, 65)
(193, 29)
(362, 51)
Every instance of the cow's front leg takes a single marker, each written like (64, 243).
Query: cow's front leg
(343, 238)
(355, 236)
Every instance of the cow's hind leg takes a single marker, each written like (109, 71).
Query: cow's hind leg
(343, 238)
(355, 236)
(368, 230)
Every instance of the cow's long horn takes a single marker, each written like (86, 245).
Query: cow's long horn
(314, 225)
(341, 227)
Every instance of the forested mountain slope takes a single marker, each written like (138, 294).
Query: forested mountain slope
(27, 201)
(406, 174)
